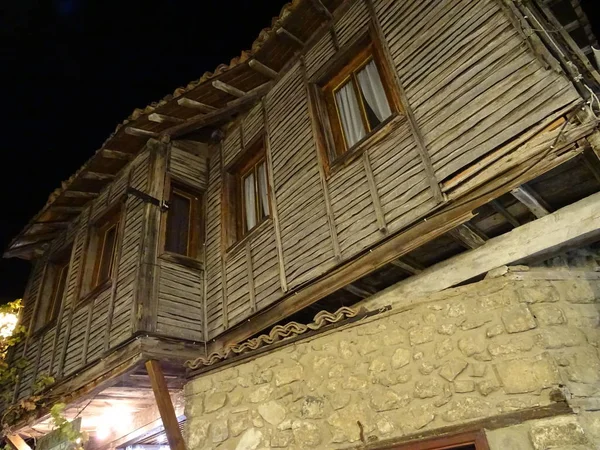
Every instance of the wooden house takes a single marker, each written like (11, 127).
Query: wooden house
(356, 144)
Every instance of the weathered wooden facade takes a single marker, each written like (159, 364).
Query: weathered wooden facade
(481, 102)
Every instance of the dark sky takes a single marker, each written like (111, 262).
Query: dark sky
(73, 69)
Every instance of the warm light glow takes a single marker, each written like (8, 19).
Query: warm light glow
(115, 422)
(8, 322)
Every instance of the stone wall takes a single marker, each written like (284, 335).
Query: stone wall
(499, 347)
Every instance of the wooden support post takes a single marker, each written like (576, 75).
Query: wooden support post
(160, 118)
(165, 406)
(531, 200)
(262, 69)
(504, 212)
(227, 88)
(291, 37)
(193, 104)
(17, 442)
(468, 235)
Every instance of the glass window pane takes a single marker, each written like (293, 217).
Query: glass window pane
(108, 249)
(249, 196)
(59, 290)
(262, 190)
(178, 224)
(373, 95)
(350, 115)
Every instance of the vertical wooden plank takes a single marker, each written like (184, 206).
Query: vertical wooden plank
(118, 251)
(145, 298)
(273, 205)
(321, 165)
(374, 194)
(225, 209)
(414, 127)
(86, 337)
(165, 405)
(250, 275)
(38, 296)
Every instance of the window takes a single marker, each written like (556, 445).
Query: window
(247, 192)
(357, 100)
(184, 222)
(103, 244)
(53, 290)
(463, 441)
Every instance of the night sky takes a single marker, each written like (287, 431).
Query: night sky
(73, 69)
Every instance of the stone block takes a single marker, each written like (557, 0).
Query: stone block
(494, 330)
(548, 314)
(538, 294)
(523, 375)
(557, 432)
(428, 388)
(288, 374)
(417, 417)
(443, 347)
(197, 430)
(518, 318)
(282, 439)
(401, 358)
(583, 366)
(219, 431)
(250, 440)
(273, 412)
(344, 427)
(239, 422)
(475, 321)
(486, 387)
(577, 291)
(464, 386)
(421, 335)
(510, 345)
(466, 409)
(559, 337)
(312, 407)
(452, 368)
(447, 329)
(215, 401)
(260, 394)
(471, 345)
(509, 438)
(385, 399)
(339, 400)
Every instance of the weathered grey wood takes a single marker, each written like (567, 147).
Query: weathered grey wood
(423, 152)
(321, 8)
(162, 118)
(98, 176)
(504, 212)
(227, 88)
(262, 69)
(193, 104)
(570, 225)
(374, 194)
(133, 131)
(250, 276)
(80, 194)
(116, 154)
(359, 292)
(407, 265)
(529, 198)
(468, 235)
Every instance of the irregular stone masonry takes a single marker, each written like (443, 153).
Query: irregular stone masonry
(486, 349)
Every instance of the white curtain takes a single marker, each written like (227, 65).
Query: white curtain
(262, 189)
(372, 89)
(352, 123)
(249, 201)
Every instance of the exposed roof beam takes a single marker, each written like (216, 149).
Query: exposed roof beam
(262, 69)
(80, 194)
(321, 8)
(161, 118)
(591, 161)
(193, 104)
(98, 176)
(286, 34)
(140, 132)
(227, 88)
(66, 209)
(232, 108)
(504, 213)
(115, 154)
(531, 200)
(23, 250)
(468, 235)
(18, 442)
(410, 267)
(54, 223)
(359, 292)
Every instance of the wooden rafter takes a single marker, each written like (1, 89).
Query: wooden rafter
(591, 161)
(407, 265)
(227, 88)
(289, 36)
(531, 200)
(505, 213)
(80, 194)
(98, 176)
(67, 209)
(468, 235)
(116, 154)
(162, 118)
(193, 104)
(321, 8)
(133, 131)
(359, 292)
(259, 67)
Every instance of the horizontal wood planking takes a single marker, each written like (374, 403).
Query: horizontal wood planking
(33, 290)
(74, 354)
(252, 124)
(231, 146)
(265, 268)
(237, 289)
(188, 168)
(319, 55)
(98, 324)
(468, 77)
(301, 206)
(356, 18)
(214, 292)
(180, 293)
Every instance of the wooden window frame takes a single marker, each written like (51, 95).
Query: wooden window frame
(349, 60)
(57, 267)
(96, 250)
(195, 226)
(234, 217)
(475, 438)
